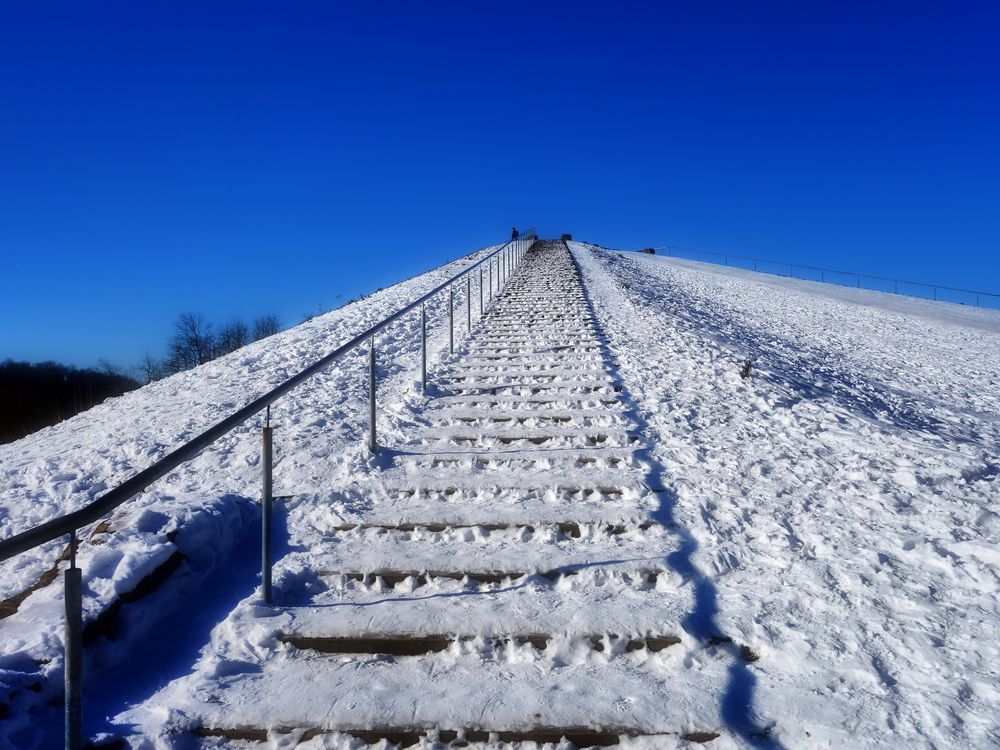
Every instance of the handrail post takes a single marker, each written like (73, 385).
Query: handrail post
(451, 319)
(480, 291)
(468, 301)
(423, 346)
(267, 497)
(372, 445)
(73, 668)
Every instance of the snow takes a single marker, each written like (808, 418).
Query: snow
(208, 505)
(596, 455)
(842, 500)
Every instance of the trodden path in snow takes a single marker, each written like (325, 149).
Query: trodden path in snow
(509, 577)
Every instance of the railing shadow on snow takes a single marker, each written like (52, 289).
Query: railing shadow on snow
(737, 705)
(852, 279)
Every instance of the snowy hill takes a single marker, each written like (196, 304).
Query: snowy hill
(841, 503)
(593, 526)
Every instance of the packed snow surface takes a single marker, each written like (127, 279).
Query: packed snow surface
(843, 499)
(205, 507)
(816, 545)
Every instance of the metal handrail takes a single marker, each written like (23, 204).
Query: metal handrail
(74, 520)
(504, 259)
(757, 262)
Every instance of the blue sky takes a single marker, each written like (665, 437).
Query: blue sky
(243, 158)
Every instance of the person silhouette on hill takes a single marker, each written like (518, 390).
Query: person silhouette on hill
(514, 233)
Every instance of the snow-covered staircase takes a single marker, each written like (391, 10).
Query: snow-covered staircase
(506, 579)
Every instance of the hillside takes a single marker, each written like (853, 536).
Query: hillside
(592, 523)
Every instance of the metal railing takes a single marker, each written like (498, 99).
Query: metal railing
(920, 290)
(494, 272)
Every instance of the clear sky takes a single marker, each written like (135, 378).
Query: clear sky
(241, 158)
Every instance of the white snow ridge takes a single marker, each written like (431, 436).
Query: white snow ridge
(592, 530)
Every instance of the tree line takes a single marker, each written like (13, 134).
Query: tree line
(195, 341)
(33, 396)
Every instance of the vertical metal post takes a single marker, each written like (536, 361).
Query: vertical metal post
(372, 445)
(480, 291)
(468, 301)
(451, 319)
(73, 670)
(267, 496)
(423, 347)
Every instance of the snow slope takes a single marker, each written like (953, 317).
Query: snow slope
(836, 513)
(841, 503)
(206, 506)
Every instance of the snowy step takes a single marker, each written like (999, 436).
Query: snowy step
(476, 552)
(540, 386)
(410, 736)
(537, 331)
(537, 401)
(496, 361)
(517, 460)
(410, 644)
(549, 438)
(483, 580)
(526, 418)
(524, 321)
(568, 489)
(534, 351)
(309, 691)
(570, 529)
(619, 599)
(539, 338)
(415, 487)
(459, 373)
(534, 364)
(533, 515)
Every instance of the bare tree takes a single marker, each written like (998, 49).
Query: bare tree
(266, 325)
(108, 367)
(150, 368)
(192, 344)
(231, 337)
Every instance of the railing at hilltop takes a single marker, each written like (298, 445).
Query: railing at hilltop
(494, 270)
(919, 290)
